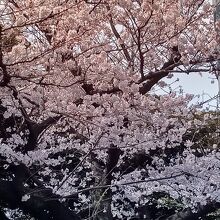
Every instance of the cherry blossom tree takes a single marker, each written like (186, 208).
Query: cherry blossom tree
(83, 133)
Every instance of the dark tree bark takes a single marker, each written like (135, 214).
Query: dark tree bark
(3, 216)
(154, 78)
(39, 204)
(187, 214)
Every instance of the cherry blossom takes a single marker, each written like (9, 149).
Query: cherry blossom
(83, 133)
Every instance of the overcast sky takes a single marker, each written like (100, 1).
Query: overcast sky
(200, 86)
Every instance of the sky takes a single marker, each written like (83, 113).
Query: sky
(203, 87)
(200, 86)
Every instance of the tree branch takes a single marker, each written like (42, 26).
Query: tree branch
(154, 78)
(187, 214)
(3, 216)
(117, 35)
(121, 184)
(5, 76)
(37, 205)
(36, 129)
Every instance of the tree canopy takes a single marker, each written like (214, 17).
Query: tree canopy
(83, 135)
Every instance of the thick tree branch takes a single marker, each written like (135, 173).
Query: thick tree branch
(154, 78)
(36, 129)
(113, 156)
(3, 71)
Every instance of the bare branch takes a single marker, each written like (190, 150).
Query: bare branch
(121, 184)
(117, 35)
